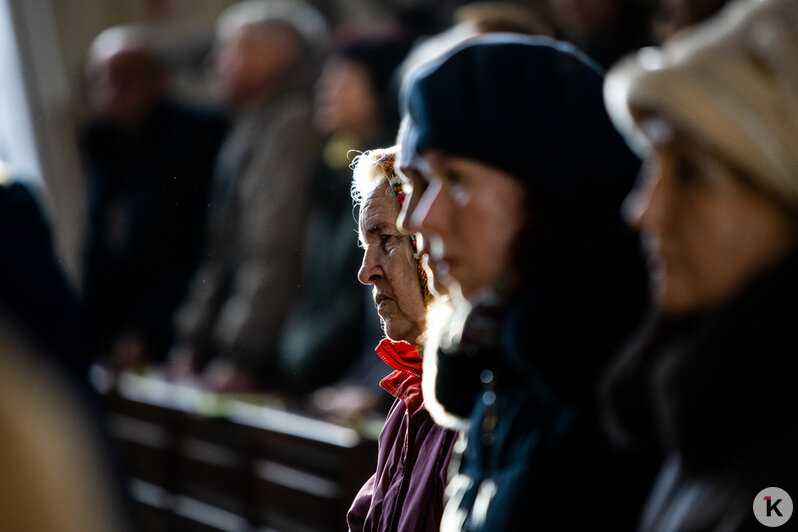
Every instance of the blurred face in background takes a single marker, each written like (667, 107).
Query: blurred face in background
(582, 17)
(389, 266)
(253, 60)
(345, 99)
(704, 231)
(675, 15)
(469, 214)
(126, 85)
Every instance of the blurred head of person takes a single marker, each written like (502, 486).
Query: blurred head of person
(391, 264)
(264, 46)
(604, 29)
(355, 94)
(500, 17)
(511, 160)
(715, 114)
(583, 17)
(125, 77)
(676, 15)
(469, 21)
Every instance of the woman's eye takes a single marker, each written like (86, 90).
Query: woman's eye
(687, 170)
(384, 239)
(452, 177)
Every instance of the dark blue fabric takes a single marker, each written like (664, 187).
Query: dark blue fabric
(40, 305)
(531, 106)
(35, 294)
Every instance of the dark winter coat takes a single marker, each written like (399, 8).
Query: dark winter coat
(536, 457)
(716, 392)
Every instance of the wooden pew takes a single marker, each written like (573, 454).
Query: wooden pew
(199, 462)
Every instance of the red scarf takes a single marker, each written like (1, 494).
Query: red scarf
(405, 382)
(401, 356)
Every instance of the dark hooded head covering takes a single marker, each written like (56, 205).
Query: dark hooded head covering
(530, 106)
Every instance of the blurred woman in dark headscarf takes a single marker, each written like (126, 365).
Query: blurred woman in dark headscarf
(517, 178)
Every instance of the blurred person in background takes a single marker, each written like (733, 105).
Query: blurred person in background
(604, 29)
(57, 468)
(328, 338)
(709, 378)
(35, 294)
(55, 473)
(472, 20)
(673, 16)
(504, 17)
(356, 95)
(405, 494)
(268, 54)
(149, 161)
(516, 187)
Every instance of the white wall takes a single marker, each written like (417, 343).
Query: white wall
(36, 118)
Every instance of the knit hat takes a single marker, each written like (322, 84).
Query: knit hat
(530, 106)
(731, 83)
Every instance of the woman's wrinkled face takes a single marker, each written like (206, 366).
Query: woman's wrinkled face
(469, 214)
(389, 266)
(705, 233)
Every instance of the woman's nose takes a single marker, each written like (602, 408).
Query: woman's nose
(404, 220)
(646, 207)
(431, 212)
(370, 269)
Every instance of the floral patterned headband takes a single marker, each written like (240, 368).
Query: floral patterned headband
(387, 162)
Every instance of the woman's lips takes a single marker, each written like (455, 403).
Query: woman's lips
(380, 300)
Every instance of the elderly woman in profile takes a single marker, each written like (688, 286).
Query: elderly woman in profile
(712, 379)
(406, 491)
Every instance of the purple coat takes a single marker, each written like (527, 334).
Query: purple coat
(406, 491)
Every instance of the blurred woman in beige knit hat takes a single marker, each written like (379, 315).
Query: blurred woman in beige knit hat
(712, 378)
